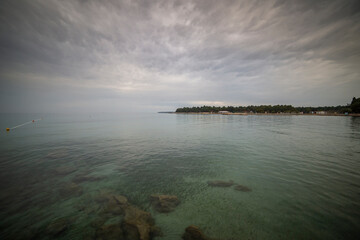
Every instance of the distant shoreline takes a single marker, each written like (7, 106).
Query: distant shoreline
(352, 109)
(267, 114)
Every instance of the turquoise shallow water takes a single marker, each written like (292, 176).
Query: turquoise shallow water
(303, 172)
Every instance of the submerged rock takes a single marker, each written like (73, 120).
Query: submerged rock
(70, 189)
(242, 188)
(194, 233)
(136, 224)
(107, 195)
(110, 232)
(120, 199)
(57, 227)
(103, 197)
(219, 183)
(155, 231)
(164, 203)
(113, 207)
(113, 204)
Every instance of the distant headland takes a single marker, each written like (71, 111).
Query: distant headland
(352, 109)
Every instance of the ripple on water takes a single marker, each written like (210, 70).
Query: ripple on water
(302, 173)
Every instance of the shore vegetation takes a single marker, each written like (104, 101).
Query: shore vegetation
(353, 107)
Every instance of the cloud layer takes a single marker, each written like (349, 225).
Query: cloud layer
(159, 55)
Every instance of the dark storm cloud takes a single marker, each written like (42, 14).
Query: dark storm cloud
(170, 53)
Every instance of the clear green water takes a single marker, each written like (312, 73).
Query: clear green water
(303, 172)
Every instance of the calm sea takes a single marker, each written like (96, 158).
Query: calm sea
(303, 172)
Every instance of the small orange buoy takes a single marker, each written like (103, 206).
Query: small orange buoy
(33, 120)
(8, 129)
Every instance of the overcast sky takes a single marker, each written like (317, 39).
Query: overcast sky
(111, 56)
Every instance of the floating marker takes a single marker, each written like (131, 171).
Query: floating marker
(8, 129)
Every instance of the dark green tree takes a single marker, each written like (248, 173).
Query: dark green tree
(355, 105)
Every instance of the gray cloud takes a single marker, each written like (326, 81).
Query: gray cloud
(159, 55)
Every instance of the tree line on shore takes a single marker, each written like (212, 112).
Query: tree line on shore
(353, 107)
